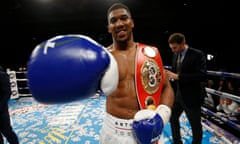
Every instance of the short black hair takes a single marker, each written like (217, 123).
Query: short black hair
(118, 6)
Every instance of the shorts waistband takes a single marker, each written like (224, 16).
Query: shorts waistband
(121, 127)
(119, 123)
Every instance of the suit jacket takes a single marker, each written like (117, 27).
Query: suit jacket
(5, 90)
(192, 76)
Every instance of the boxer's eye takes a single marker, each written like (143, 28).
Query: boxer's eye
(113, 20)
(124, 18)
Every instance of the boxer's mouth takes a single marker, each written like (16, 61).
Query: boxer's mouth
(121, 33)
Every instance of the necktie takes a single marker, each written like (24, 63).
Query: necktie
(179, 62)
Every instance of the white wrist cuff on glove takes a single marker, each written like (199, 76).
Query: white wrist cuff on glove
(109, 80)
(144, 114)
(165, 112)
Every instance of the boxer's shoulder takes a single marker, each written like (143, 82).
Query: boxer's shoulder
(110, 48)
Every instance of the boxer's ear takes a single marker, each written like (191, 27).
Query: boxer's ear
(132, 23)
(109, 29)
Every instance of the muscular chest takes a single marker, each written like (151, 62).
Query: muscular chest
(126, 64)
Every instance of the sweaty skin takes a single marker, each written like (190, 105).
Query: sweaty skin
(123, 102)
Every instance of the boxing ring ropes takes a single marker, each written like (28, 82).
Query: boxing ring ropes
(223, 95)
(22, 90)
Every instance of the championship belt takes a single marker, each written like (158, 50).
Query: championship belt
(148, 76)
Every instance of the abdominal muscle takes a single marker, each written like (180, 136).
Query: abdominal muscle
(122, 103)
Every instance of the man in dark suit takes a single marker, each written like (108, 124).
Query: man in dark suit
(187, 77)
(5, 123)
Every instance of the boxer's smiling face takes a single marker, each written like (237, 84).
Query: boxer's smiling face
(120, 24)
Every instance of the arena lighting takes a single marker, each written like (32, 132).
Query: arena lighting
(210, 57)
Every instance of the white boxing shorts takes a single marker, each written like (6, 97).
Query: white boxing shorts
(117, 131)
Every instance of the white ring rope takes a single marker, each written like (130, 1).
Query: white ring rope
(224, 74)
(20, 72)
(24, 95)
(223, 94)
(23, 79)
(217, 133)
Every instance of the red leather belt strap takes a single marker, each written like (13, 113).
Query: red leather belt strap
(148, 75)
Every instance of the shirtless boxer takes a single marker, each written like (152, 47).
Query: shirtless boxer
(122, 105)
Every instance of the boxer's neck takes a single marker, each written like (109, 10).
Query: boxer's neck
(123, 46)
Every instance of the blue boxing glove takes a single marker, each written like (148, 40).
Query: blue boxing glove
(148, 124)
(66, 68)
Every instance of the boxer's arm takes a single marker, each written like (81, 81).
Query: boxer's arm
(149, 121)
(166, 100)
(167, 96)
